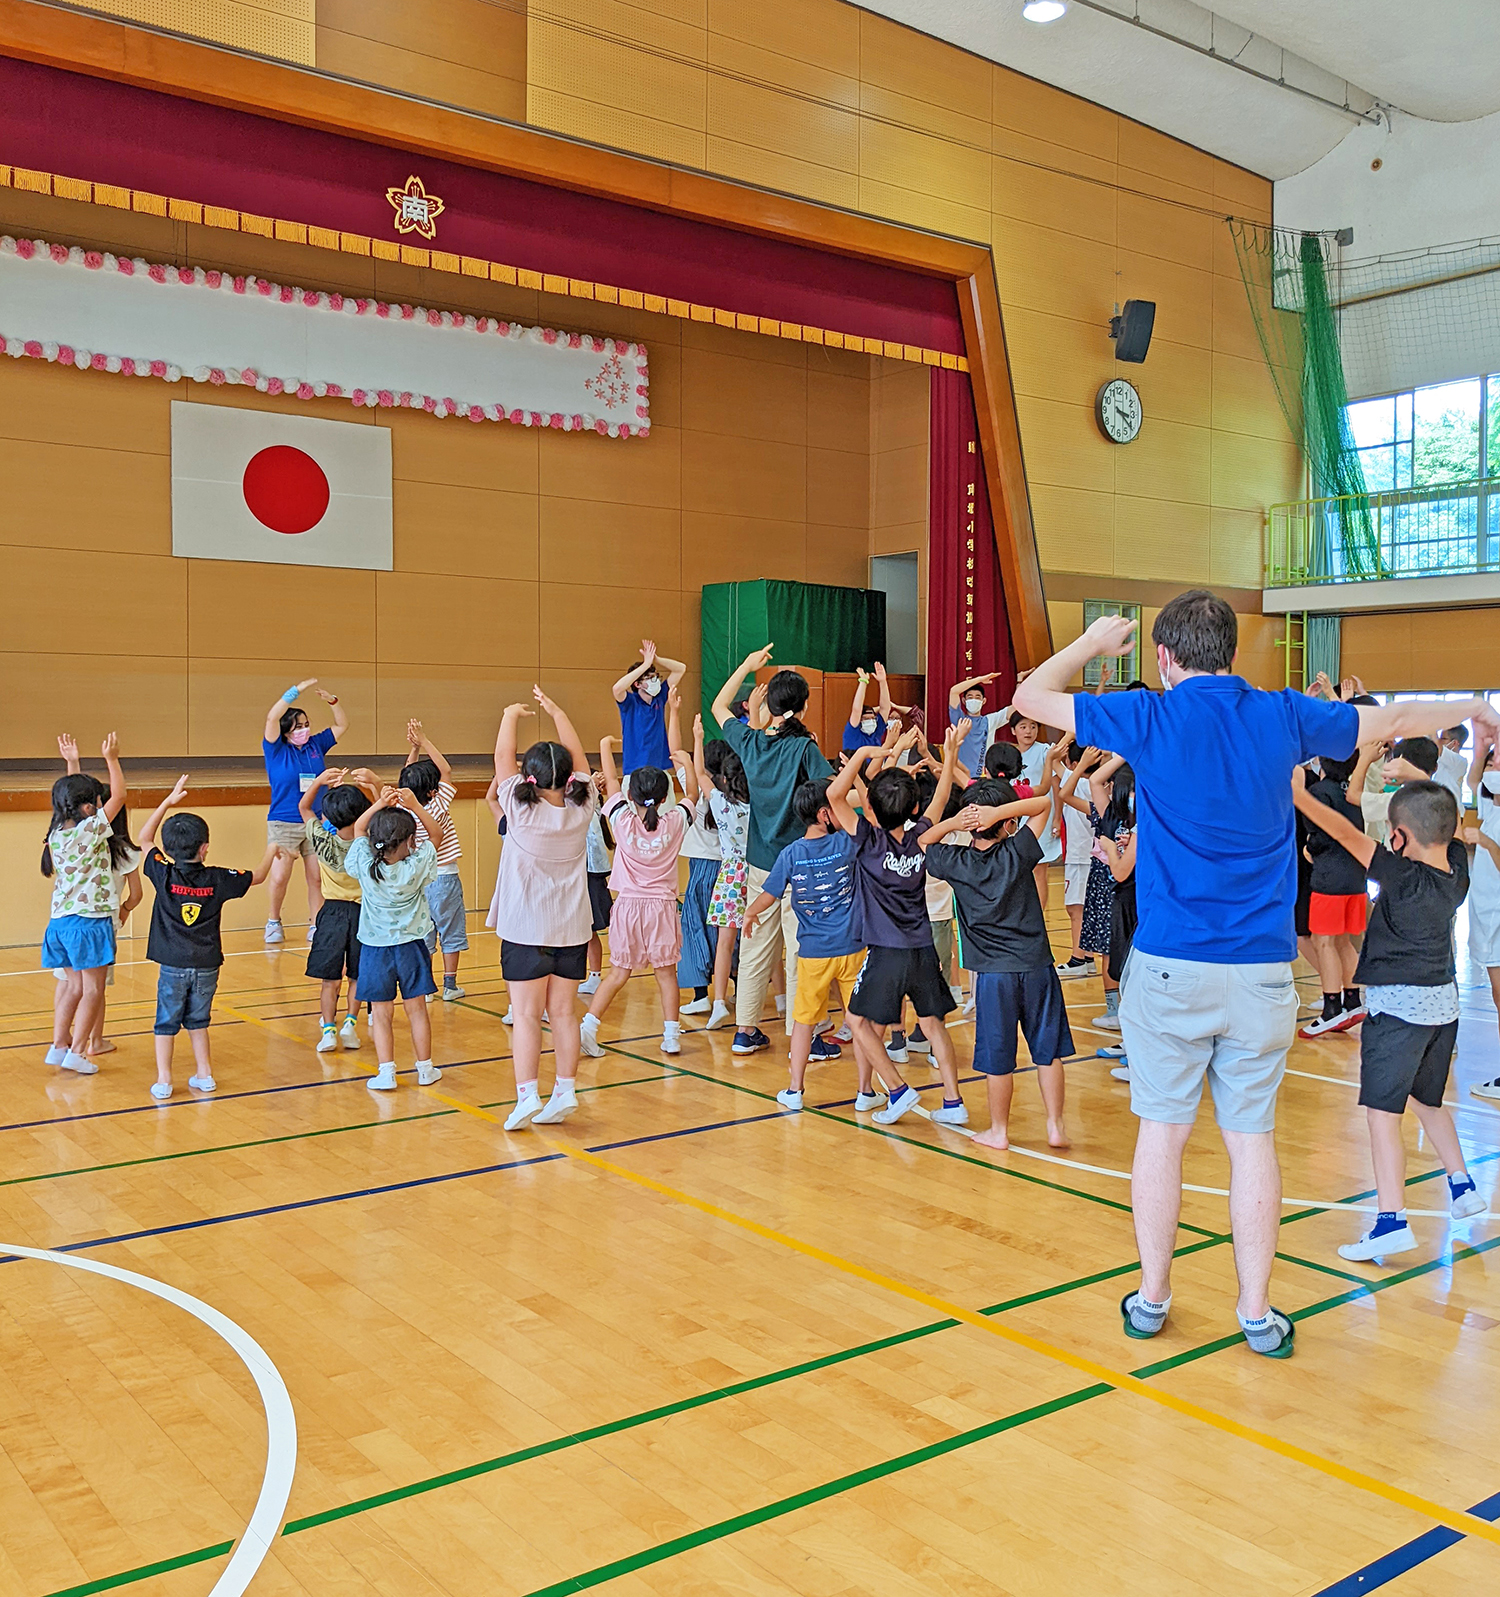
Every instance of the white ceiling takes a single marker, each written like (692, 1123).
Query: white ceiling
(1436, 59)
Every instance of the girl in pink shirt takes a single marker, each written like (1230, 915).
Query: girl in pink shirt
(644, 930)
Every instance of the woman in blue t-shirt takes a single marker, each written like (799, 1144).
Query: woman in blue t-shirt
(642, 696)
(294, 756)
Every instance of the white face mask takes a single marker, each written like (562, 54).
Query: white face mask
(867, 726)
(973, 706)
(1491, 781)
(651, 687)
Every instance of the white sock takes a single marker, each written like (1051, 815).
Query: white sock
(590, 1021)
(424, 1064)
(672, 1025)
(780, 1003)
(527, 1089)
(565, 1084)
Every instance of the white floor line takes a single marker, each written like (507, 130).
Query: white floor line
(1211, 1192)
(1448, 1103)
(281, 1423)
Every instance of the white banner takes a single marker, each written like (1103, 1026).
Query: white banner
(95, 310)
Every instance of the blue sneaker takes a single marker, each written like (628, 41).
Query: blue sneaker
(750, 1042)
(821, 1050)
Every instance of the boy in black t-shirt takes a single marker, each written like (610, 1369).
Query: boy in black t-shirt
(890, 920)
(1406, 966)
(184, 939)
(1006, 946)
(1338, 904)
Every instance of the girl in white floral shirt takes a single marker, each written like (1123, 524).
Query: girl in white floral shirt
(80, 938)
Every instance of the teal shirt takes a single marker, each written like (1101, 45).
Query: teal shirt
(393, 910)
(775, 767)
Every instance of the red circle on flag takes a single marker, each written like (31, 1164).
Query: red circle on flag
(285, 489)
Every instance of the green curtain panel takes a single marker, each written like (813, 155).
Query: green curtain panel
(1322, 641)
(831, 629)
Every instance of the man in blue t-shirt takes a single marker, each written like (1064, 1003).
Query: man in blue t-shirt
(1208, 987)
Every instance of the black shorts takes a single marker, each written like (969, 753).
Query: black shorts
(890, 975)
(335, 946)
(1030, 1000)
(1398, 1060)
(599, 900)
(527, 962)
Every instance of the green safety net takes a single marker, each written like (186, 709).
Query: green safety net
(1286, 282)
(829, 629)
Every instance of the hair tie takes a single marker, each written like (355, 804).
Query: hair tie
(649, 803)
(530, 779)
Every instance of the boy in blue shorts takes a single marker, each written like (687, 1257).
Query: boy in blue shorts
(819, 869)
(1006, 945)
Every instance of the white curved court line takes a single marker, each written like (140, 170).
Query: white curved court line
(281, 1423)
(1211, 1192)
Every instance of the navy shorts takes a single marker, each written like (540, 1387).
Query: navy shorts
(383, 972)
(1030, 1001)
(184, 999)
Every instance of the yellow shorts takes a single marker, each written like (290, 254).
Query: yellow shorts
(815, 977)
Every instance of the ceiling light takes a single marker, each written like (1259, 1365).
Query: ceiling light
(1043, 10)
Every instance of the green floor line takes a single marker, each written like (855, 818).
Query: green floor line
(299, 1136)
(163, 1566)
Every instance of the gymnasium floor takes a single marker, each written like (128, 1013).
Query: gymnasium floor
(686, 1343)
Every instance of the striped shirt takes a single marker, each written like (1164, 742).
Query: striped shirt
(449, 852)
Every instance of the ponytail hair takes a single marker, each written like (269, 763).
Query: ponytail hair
(388, 830)
(1119, 813)
(648, 787)
(69, 795)
(548, 768)
(715, 752)
(786, 694)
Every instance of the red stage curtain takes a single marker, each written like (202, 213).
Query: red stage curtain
(82, 127)
(968, 629)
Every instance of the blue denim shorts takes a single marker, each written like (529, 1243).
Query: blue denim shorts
(445, 902)
(184, 999)
(406, 967)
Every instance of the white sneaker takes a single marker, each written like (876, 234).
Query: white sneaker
(588, 1040)
(328, 1041)
(720, 1016)
(384, 1079)
(275, 932)
(312, 930)
(865, 1101)
(968, 1008)
(954, 1115)
(590, 984)
(428, 1073)
(1486, 1089)
(1466, 1204)
(957, 991)
(1106, 1022)
(349, 1033)
(699, 1006)
(78, 1064)
(671, 1037)
(202, 1083)
(897, 1107)
(161, 1090)
(529, 1107)
(55, 1055)
(1121, 1072)
(896, 1052)
(560, 1105)
(451, 995)
(1372, 1247)
(789, 1098)
(509, 1017)
(843, 1034)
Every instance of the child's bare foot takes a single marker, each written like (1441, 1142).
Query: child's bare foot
(1057, 1134)
(100, 1045)
(995, 1137)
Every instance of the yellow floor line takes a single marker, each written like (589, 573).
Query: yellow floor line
(1455, 1519)
(265, 1025)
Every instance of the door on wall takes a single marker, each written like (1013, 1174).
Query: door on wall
(896, 577)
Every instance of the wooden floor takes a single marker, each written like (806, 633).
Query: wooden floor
(687, 1343)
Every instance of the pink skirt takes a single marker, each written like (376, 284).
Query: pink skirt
(644, 932)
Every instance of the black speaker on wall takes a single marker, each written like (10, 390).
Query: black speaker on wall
(1131, 330)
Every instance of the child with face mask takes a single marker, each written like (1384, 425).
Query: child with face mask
(642, 696)
(966, 700)
(866, 727)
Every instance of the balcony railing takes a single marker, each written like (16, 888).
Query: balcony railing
(1452, 529)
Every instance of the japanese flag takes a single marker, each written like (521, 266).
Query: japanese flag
(287, 490)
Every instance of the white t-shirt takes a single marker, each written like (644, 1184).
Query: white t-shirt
(1080, 833)
(1452, 768)
(1033, 763)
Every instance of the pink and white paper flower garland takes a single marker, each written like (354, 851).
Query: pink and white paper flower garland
(240, 329)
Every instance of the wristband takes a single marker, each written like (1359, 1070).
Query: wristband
(291, 695)
(333, 698)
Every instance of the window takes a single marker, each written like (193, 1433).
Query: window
(1128, 666)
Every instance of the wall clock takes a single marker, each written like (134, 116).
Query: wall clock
(1117, 409)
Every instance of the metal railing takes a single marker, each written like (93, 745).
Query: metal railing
(1450, 529)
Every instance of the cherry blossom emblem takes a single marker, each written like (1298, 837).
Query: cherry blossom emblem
(610, 386)
(417, 211)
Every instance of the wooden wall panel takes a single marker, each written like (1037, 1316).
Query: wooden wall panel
(282, 29)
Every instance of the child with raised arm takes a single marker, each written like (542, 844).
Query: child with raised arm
(643, 709)
(80, 935)
(890, 919)
(1073, 797)
(541, 909)
(1337, 904)
(185, 939)
(393, 857)
(334, 954)
(1005, 942)
(867, 725)
(695, 965)
(1407, 968)
(643, 933)
(726, 793)
(818, 871)
(426, 776)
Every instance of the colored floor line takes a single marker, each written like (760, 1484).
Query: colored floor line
(488, 1466)
(1402, 1560)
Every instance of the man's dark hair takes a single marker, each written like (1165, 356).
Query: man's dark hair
(1459, 734)
(1199, 631)
(1425, 809)
(1421, 752)
(183, 836)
